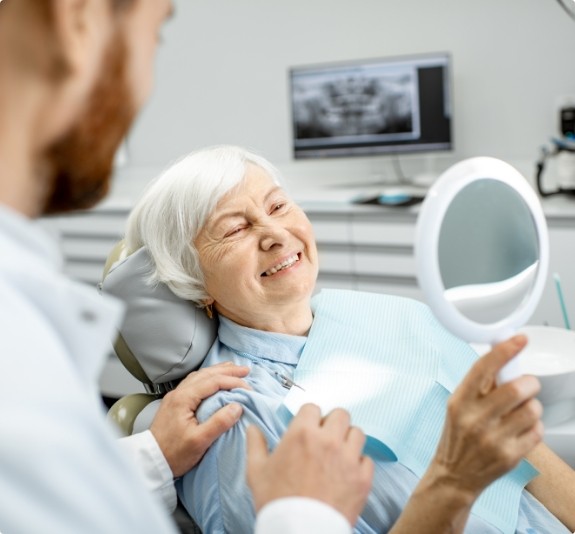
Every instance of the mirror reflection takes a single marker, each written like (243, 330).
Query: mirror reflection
(488, 251)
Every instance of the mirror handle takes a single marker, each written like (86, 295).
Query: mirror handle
(510, 371)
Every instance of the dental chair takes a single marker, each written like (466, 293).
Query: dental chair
(162, 339)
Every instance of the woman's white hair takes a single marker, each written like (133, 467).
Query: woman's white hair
(175, 207)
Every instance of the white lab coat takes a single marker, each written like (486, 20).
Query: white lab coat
(61, 469)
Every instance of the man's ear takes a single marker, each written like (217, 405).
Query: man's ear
(83, 28)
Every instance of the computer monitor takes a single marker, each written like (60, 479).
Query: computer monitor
(369, 107)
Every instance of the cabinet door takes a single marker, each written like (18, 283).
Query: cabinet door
(87, 239)
(333, 236)
(383, 253)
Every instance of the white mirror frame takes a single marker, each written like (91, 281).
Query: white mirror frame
(428, 228)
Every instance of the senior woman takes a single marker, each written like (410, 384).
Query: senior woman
(223, 232)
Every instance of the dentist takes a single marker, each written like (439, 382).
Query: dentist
(73, 76)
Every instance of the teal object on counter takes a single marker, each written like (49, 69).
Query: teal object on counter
(562, 301)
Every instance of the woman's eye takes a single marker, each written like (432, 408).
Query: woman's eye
(234, 231)
(278, 206)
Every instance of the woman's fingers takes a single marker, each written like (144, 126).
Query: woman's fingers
(480, 380)
(510, 396)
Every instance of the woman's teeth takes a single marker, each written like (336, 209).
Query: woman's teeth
(284, 265)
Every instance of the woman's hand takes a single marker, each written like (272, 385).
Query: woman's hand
(488, 428)
(317, 458)
(182, 439)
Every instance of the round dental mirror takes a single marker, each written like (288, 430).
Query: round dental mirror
(482, 252)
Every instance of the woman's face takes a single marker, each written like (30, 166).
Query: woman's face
(257, 252)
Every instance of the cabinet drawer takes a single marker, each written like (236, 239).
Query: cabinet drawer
(89, 248)
(384, 262)
(330, 230)
(389, 233)
(334, 281)
(89, 224)
(335, 259)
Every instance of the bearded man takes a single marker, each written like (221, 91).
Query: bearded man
(73, 75)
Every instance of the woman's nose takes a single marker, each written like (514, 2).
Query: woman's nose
(273, 235)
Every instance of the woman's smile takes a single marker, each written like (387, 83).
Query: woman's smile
(284, 265)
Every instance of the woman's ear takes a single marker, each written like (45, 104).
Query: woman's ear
(208, 306)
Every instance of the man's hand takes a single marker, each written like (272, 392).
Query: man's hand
(182, 439)
(316, 458)
(489, 428)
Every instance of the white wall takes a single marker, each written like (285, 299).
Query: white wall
(222, 75)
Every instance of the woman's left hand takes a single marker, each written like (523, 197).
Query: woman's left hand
(489, 428)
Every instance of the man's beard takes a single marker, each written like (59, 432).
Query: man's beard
(78, 168)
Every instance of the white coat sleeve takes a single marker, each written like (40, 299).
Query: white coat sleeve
(150, 461)
(300, 515)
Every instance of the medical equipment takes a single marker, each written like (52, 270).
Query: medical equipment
(560, 148)
(482, 252)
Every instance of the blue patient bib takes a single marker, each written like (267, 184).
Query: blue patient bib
(389, 362)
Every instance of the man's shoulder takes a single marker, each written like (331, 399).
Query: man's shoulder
(20, 318)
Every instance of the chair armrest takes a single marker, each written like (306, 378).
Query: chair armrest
(125, 410)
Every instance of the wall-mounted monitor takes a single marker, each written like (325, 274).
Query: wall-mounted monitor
(375, 106)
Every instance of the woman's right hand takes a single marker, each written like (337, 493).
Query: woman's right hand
(488, 428)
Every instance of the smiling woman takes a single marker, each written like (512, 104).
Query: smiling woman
(223, 232)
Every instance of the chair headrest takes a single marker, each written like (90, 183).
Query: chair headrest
(167, 335)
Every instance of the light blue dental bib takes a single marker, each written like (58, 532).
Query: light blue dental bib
(393, 366)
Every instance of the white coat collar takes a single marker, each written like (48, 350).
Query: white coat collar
(85, 321)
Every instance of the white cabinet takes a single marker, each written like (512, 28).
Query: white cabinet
(367, 248)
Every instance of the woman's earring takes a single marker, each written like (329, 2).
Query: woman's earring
(209, 311)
